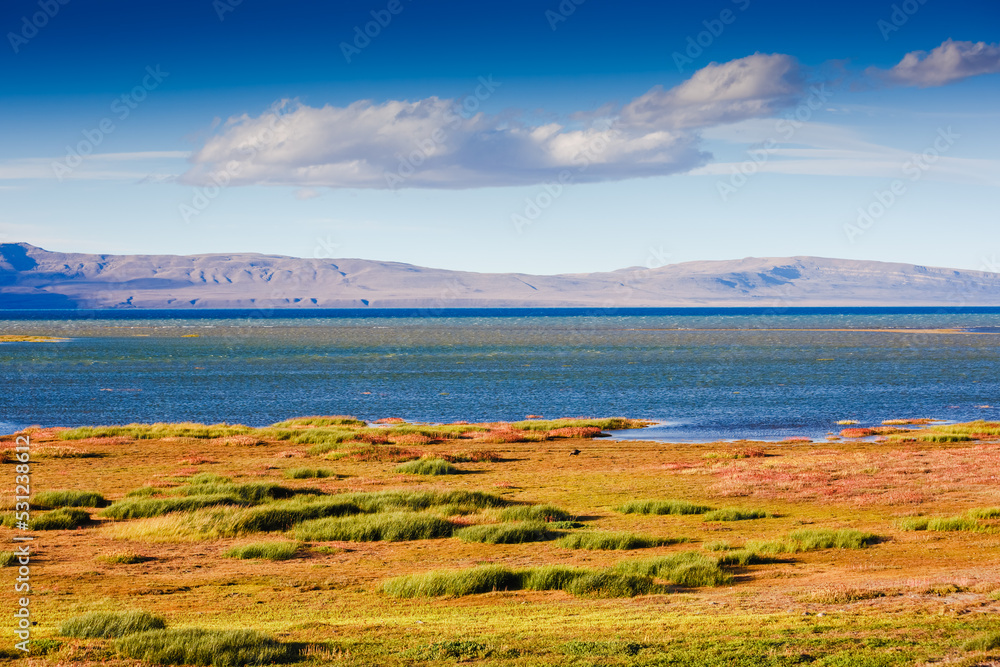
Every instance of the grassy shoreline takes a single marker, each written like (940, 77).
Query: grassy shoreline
(626, 553)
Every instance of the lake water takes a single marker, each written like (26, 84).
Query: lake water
(704, 375)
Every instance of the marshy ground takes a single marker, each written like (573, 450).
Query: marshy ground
(397, 544)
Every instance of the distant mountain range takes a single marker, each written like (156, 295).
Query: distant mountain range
(31, 277)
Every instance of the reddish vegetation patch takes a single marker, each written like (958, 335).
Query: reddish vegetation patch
(797, 438)
(534, 417)
(289, 454)
(241, 441)
(575, 432)
(477, 456)
(195, 460)
(412, 439)
(890, 478)
(383, 454)
(390, 420)
(503, 435)
(749, 453)
(874, 430)
(112, 440)
(373, 438)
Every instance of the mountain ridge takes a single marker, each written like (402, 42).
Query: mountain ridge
(31, 277)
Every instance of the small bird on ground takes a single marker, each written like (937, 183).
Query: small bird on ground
(574, 452)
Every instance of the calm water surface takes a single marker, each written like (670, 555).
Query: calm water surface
(703, 376)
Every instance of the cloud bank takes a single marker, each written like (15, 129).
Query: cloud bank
(433, 143)
(948, 63)
(437, 143)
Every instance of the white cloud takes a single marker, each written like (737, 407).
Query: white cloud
(950, 62)
(751, 87)
(429, 143)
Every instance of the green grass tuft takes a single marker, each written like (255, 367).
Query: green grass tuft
(106, 624)
(954, 523)
(733, 514)
(661, 507)
(8, 558)
(123, 557)
(331, 420)
(504, 533)
(428, 467)
(614, 540)
(484, 579)
(54, 499)
(545, 513)
(308, 473)
(195, 646)
(608, 584)
(265, 551)
(984, 642)
(64, 518)
(690, 569)
(812, 540)
(140, 508)
(551, 577)
(388, 527)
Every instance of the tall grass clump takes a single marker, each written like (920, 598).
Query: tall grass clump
(308, 473)
(983, 642)
(607, 424)
(690, 569)
(661, 507)
(252, 493)
(195, 646)
(389, 527)
(140, 508)
(534, 513)
(504, 533)
(954, 523)
(608, 540)
(64, 518)
(320, 420)
(7, 558)
(611, 584)
(156, 431)
(814, 539)
(427, 467)
(484, 579)
(54, 499)
(733, 514)
(285, 514)
(264, 551)
(551, 577)
(984, 513)
(106, 624)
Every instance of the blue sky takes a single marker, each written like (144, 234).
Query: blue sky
(541, 137)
